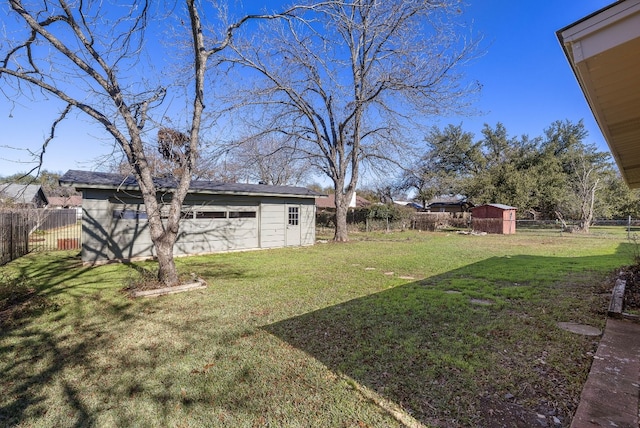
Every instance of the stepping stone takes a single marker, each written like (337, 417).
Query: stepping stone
(585, 330)
(481, 302)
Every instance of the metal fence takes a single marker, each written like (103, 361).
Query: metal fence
(38, 229)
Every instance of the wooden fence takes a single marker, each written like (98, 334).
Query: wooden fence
(14, 236)
(38, 229)
(436, 221)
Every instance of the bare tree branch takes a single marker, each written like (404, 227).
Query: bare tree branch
(344, 79)
(81, 53)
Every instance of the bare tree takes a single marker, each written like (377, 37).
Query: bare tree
(588, 169)
(347, 81)
(166, 156)
(87, 55)
(269, 161)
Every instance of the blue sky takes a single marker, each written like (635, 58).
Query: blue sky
(527, 84)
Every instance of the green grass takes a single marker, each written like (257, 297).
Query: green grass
(291, 337)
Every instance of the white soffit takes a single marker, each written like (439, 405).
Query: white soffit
(603, 31)
(604, 52)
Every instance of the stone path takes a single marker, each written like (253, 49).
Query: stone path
(610, 395)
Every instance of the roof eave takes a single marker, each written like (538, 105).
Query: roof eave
(594, 46)
(81, 186)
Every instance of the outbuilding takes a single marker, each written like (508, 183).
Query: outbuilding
(494, 218)
(216, 216)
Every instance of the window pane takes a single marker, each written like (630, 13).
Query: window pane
(242, 214)
(293, 216)
(129, 215)
(211, 214)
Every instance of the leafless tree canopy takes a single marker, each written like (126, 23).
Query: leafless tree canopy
(269, 161)
(339, 81)
(343, 82)
(95, 57)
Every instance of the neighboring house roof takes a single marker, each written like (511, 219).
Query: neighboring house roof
(65, 201)
(20, 193)
(410, 204)
(107, 181)
(602, 50)
(329, 201)
(448, 199)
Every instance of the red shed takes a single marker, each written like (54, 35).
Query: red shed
(494, 218)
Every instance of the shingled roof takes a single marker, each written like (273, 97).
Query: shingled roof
(20, 193)
(104, 180)
(64, 201)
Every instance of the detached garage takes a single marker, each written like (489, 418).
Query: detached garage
(215, 217)
(494, 218)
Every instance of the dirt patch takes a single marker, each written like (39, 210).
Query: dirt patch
(18, 302)
(145, 283)
(631, 274)
(196, 285)
(504, 412)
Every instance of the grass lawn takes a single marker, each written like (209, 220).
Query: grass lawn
(449, 330)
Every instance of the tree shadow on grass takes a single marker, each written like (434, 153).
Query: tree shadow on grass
(477, 346)
(423, 345)
(92, 352)
(33, 353)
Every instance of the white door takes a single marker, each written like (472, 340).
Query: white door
(292, 221)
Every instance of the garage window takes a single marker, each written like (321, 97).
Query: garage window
(186, 215)
(129, 215)
(210, 214)
(242, 214)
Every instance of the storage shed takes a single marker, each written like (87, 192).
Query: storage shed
(215, 216)
(494, 218)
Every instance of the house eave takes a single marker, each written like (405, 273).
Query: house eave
(602, 50)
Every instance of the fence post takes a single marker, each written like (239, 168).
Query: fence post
(12, 254)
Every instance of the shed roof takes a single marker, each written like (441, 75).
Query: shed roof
(500, 206)
(19, 193)
(104, 180)
(602, 50)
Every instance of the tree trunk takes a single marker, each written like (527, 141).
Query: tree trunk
(341, 233)
(588, 202)
(560, 217)
(167, 272)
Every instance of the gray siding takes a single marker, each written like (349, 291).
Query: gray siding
(308, 223)
(96, 226)
(273, 223)
(219, 234)
(249, 222)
